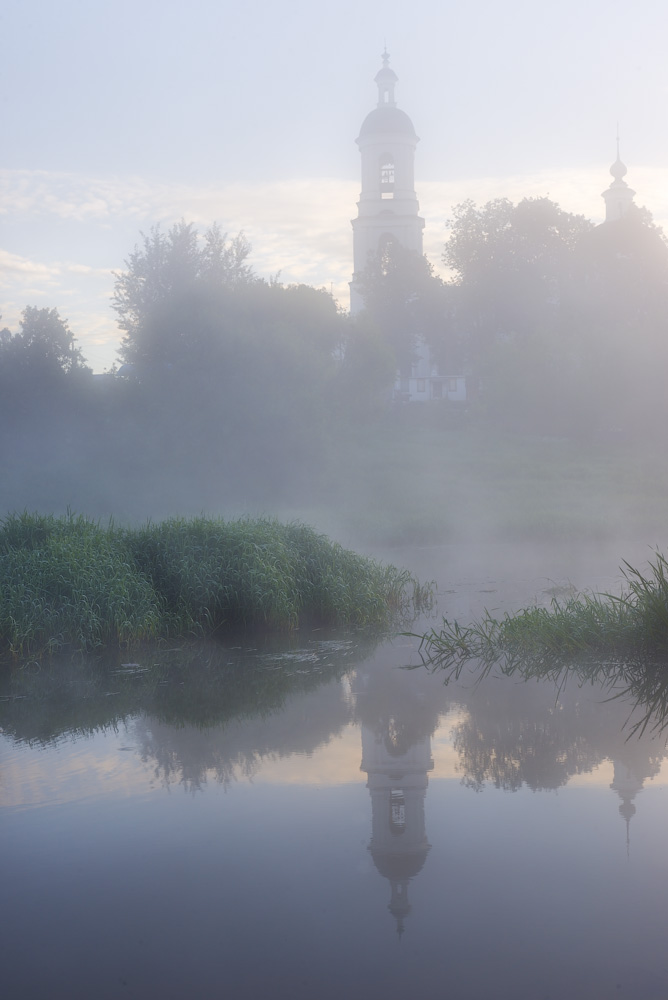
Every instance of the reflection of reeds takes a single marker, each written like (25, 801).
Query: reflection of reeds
(619, 641)
(201, 683)
(69, 582)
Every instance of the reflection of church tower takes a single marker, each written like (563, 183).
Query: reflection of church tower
(619, 196)
(397, 782)
(627, 784)
(388, 206)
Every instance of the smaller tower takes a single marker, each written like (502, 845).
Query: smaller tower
(618, 197)
(627, 785)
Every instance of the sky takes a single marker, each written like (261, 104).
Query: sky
(115, 117)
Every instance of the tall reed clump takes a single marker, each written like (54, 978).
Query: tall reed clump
(336, 584)
(67, 581)
(633, 623)
(211, 572)
(214, 574)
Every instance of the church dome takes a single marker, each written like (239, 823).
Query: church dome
(618, 170)
(387, 120)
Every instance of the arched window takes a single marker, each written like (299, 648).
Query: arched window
(387, 175)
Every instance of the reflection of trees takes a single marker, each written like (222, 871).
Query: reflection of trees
(204, 684)
(190, 755)
(536, 734)
(202, 712)
(520, 734)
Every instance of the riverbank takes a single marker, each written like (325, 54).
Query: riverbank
(413, 479)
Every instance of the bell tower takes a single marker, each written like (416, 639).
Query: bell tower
(388, 207)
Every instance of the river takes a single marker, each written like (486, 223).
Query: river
(303, 817)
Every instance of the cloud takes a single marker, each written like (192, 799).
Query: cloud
(14, 267)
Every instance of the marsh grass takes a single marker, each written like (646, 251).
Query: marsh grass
(217, 574)
(68, 582)
(617, 641)
(65, 581)
(633, 623)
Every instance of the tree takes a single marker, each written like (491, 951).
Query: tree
(622, 272)
(565, 320)
(44, 346)
(512, 266)
(168, 281)
(533, 238)
(619, 312)
(406, 301)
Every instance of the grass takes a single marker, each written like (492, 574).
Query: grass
(67, 582)
(411, 477)
(633, 623)
(411, 481)
(619, 641)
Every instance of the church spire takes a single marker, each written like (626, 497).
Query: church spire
(619, 196)
(386, 79)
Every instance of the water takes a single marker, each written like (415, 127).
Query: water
(308, 819)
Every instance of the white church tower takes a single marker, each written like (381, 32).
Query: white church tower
(388, 206)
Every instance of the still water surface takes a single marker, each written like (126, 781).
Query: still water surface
(307, 819)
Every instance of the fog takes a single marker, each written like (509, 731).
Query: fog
(238, 396)
(453, 496)
(503, 395)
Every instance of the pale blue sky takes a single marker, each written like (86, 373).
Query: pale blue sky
(114, 116)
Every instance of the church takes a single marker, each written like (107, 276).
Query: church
(388, 211)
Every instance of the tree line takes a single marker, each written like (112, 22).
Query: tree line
(558, 325)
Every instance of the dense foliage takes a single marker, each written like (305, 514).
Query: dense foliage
(560, 326)
(43, 347)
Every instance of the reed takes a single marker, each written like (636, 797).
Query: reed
(632, 624)
(215, 574)
(68, 582)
